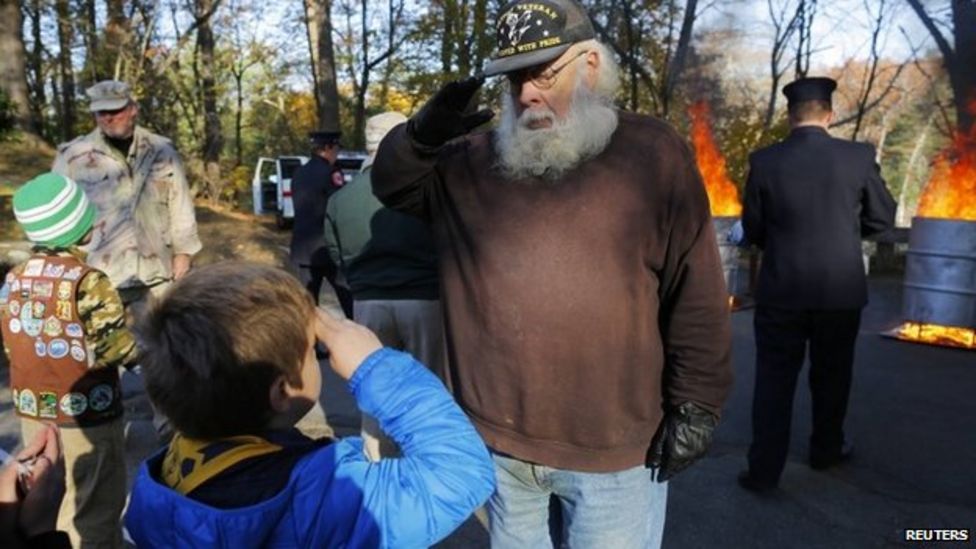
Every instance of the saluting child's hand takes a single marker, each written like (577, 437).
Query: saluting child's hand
(348, 343)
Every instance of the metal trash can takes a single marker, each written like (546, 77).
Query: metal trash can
(940, 273)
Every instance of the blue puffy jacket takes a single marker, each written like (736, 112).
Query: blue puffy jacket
(336, 497)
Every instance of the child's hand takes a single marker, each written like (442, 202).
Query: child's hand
(349, 343)
(35, 511)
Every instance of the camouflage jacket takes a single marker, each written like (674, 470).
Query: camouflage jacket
(99, 309)
(145, 211)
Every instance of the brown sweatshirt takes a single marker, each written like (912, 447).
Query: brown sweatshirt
(576, 309)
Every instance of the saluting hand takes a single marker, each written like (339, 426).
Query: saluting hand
(443, 117)
(349, 343)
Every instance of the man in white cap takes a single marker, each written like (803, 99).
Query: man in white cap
(146, 232)
(389, 261)
(585, 308)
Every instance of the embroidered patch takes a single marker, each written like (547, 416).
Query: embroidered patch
(57, 348)
(52, 327)
(62, 310)
(64, 290)
(40, 348)
(32, 326)
(77, 351)
(47, 405)
(101, 397)
(15, 325)
(34, 267)
(73, 330)
(73, 273)
(28, 403)
(53, 270)
(25, 288)
(38, 310)
(73, 404)
(13, 308)
(42, 289)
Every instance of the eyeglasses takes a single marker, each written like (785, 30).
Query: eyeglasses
(541, 77)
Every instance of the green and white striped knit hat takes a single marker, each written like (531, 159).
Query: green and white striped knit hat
(53, 210)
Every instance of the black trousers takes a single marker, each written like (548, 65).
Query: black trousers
(782, 336)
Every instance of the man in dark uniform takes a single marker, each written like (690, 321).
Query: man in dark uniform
(810, 199)
(311, 186)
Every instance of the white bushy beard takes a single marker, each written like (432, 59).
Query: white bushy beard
(548, 153)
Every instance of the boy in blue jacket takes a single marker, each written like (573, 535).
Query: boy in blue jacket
(229, 357)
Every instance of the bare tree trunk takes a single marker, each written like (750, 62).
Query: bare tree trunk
(213, 140)
(35, 68)
(319, 25)
(961, 61)
(88, 23)
(13, 63)
(65, 39)
(677, 64)
(902, 218)
(784, 29)
(116, 39)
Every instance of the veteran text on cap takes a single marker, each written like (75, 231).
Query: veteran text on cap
(532, 33)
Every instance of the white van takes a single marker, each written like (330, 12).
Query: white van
(271, 185)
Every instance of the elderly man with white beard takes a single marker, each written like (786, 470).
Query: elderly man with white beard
(586, 313)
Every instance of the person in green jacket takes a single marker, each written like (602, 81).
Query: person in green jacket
(389, 262)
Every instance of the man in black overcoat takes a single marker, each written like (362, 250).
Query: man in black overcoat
(311, 186)
(810, 199)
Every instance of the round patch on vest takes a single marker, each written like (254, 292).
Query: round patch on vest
(52, 327)
(101, 397)
(57, 348)
(28, 403)
(15, 325)
(33, 327)
(13, 308)
(40, 349)
(77, 351)
(74, 404)
(73, 330)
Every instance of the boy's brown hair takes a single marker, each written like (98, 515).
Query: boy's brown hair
(215, 342)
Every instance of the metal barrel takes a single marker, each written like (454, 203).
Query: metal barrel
(940, 273)
(728, 251)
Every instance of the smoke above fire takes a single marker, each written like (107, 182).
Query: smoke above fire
(951, 190)
(723, 196)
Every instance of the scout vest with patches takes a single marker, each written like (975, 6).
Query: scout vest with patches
(50, 361)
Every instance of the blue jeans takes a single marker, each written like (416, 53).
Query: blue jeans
(622, 510)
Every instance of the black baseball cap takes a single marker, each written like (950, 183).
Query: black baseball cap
(534, 32)
(810, 89)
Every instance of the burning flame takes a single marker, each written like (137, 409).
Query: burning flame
(937, 335)
(723, 196)
(951, 190)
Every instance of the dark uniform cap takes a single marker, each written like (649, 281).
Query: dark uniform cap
(534, 32)
(324, 138)
(810, 89)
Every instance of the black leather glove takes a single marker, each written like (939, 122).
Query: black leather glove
(683, 437)
(443, 117)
